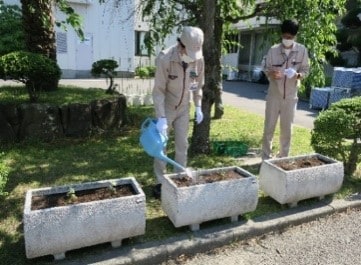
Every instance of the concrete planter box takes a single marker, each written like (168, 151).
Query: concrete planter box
(199, 203)
(53, 231)
(289, 187)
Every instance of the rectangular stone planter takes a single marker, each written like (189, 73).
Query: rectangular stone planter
(199, 203)
(291, 186)
(53, 231)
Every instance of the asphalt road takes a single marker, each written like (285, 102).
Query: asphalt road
(251, 97)
(332, 240)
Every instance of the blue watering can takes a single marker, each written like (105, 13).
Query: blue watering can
(153, 142)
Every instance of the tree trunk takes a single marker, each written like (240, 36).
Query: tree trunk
(211, 24)
(351, 163)
(218, 33)
(38, 23)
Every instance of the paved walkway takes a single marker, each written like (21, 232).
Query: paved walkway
(251, 97)
(157, 252)
(332, 240)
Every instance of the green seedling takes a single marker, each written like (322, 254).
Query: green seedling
(111, 187)
(71, 194)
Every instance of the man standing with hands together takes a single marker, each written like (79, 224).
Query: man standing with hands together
(286, 64)
(179, 72)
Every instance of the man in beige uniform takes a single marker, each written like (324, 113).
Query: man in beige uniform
(179, 72)
(286, 64)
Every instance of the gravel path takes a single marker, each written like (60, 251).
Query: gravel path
(333, 240)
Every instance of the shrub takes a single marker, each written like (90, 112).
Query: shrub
(142, 72)
(36, 71)
(337, 132)
(145, 71)
(151, 70)
(105, 67)
(3, 177)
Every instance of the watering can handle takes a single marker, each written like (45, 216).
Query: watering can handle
(146, 123)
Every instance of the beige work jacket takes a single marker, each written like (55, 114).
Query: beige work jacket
(172, 81)
(286, 88)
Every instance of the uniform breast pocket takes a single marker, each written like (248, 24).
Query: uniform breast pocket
(172, 77)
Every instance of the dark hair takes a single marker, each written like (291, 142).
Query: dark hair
(289, 26)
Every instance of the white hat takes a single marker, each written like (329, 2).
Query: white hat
(192, 39)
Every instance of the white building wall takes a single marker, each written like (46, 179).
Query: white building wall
(109, 32)
(109, 29)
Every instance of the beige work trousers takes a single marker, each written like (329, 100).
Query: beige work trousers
(178, 120)
(284, 109)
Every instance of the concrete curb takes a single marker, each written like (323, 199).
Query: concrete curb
(206, 239)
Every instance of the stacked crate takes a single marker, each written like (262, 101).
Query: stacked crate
(346, 82)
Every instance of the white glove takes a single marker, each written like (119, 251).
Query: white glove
(290, 72)
(199, 115)
(162, 126)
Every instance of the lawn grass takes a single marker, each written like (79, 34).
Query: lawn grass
(117, 155)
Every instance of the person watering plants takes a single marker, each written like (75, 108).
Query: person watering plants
(179, 73)
(286, 65)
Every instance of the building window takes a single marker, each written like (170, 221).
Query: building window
(232, 42)
(61, 42)
(140, 47)
(262, 44)
(245, 49)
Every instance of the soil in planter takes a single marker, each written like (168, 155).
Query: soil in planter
(207, 178)
(300, 163)
(81, 196)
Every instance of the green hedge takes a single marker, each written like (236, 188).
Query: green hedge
(337, 133)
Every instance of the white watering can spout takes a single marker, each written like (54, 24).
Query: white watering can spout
(154, 142)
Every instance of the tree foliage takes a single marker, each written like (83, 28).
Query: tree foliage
(317, 21)
(316, 17)
(11, 31)
(349, 35)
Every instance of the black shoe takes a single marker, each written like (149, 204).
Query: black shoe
(157, 191)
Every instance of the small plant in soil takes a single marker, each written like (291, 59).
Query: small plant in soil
(71, 196)
(81, 196)
(112, 188)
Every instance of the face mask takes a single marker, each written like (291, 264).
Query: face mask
(287, 43)
(185, 58)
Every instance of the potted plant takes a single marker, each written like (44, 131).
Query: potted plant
(292, 179)
(63, 218)
(208, 195)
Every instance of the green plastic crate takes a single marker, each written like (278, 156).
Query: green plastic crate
(231, 148)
